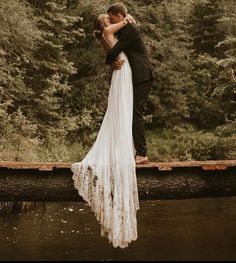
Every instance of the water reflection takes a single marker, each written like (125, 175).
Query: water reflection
(194, 229)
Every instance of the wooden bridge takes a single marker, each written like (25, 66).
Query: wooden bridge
(37, 181)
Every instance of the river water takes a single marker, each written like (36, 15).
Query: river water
(192, 229)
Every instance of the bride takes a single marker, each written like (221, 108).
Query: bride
(106, 177)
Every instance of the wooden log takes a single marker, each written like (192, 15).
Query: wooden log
(34, 181)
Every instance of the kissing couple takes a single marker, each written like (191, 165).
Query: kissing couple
(106, 177)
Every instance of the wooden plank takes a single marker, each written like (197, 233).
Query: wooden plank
(162, 166)
(214, 167)
(165, 168)
(46, 168)
(208, 167)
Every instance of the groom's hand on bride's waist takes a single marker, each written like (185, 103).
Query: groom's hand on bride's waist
(117, 64)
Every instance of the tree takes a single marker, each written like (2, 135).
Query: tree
(51, 68)
(165, 33)
(18, 35)
(226, 89)
(206, 33)
(205, 27)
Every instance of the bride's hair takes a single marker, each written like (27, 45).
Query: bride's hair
(99, 25)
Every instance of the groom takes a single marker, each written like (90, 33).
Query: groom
(130, 41)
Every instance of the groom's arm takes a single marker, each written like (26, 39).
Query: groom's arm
(126, 39)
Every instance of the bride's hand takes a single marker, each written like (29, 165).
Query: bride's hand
(130, 19)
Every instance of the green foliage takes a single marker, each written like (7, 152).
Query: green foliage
(226, 89)
(18, 34)
(19, 141)
(18, 29)
(185, 144)
(170, 53)
(51, 68)
(54, 83)
(205, 109)
(57, 149)
(205, 26)
(211, 102)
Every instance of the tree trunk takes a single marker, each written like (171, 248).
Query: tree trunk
(53, 181)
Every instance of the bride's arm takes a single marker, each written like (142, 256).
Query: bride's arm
(108, 32)
(113, 28)
(108, 38)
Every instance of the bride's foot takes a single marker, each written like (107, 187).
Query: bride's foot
(141, 159)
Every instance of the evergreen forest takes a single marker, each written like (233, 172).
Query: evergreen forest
(54, 82)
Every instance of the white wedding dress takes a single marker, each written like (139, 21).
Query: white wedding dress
(106, 177)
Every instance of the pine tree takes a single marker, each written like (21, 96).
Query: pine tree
(206, 33)
(205, 27)
(167, 38)
(226, 88)
(18, 35)
(50, 69)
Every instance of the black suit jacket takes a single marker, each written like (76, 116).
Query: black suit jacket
(130, 41)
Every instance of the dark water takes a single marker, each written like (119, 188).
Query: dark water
(193, 229)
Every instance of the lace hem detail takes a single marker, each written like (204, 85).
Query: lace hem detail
(113, 199)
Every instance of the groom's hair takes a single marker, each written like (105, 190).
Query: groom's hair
(117, 8)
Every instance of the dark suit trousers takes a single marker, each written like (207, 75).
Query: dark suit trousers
(141, 91)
